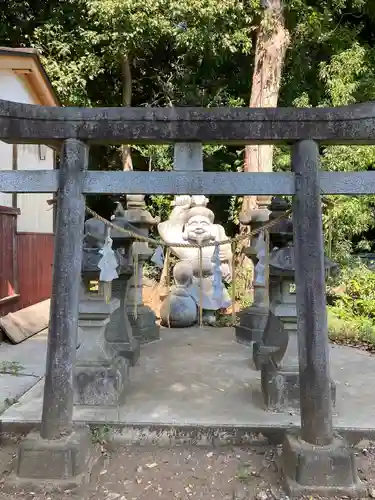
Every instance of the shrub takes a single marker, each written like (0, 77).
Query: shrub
(351, 318)
(347, 329)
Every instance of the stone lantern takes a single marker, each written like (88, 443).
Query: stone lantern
(142, 318)
(119, 333)
(253, 318)
(276, 355)
(99, 374)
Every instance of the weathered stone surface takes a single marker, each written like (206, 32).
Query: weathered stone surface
(119, 333)
(101, 383)
(144, 325)
(100, 376)
(320, 470)
(315, 383)
(253, 320)
(25, 122)
(200, 272)
(142, 319)
(130, 351)
(54, 464)
(276, 355)
(188, 157)
(195, 183)
(281, 388)
(178, 310)
(62, 332)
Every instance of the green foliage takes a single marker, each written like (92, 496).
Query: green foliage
(101, 434)
(226, 320)
(346, 219)
(358, 296)
(347, 329)
(352, 315)
(201, 53)
(11, 367)
(160, 206)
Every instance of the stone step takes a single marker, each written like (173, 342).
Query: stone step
(164, 435)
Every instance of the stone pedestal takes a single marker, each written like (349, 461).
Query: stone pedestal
(253, 319)
(280, 385)
(53, 465)
(119, 332)
(276, 355)
(100, 375)
(326, 471)
(142, 318)
(144, 325)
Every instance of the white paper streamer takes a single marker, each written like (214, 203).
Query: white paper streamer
(217, 284)
(158, 257)
(260, 268)
(108, 263)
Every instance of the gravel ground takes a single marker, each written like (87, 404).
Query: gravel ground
(183, 473)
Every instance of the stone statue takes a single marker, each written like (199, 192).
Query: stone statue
(193, 223)
(179, 309)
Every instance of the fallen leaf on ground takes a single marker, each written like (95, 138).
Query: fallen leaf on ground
(113, 496)
(151, 466)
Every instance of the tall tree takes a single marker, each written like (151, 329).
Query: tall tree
(199, 53)
(127, 89)
(272, 42)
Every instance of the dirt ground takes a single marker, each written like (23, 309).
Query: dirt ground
(151, 297)
(183, 473)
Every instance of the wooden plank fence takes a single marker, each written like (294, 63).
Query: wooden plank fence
(25, 264)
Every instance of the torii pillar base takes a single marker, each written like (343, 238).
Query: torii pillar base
(326, 471)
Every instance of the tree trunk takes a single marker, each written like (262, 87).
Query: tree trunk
(272, 42)
(127, 163)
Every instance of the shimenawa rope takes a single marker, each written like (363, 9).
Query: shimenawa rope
(169, 246)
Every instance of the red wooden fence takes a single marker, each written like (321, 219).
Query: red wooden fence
(25, 264)
(35, 260)
(8, 262)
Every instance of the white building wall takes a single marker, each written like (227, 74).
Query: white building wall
(36, 216)
(6, 154)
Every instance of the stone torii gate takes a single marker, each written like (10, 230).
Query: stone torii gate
(315, 460)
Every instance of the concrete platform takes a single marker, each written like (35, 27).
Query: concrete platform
(30, 354)
(27, 366)
(203, 378)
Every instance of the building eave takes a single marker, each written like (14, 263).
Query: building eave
(26, 64)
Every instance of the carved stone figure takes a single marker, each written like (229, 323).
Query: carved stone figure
(180, 309)
(193, 223)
